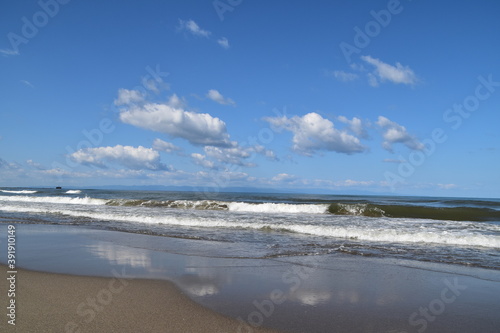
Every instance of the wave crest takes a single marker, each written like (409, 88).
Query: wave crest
(55, 200)
(19, 192)
(416, 212)
(269, 207)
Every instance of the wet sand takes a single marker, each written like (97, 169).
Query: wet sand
(141, 283)
(48, 302)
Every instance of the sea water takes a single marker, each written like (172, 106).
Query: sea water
(457, 231)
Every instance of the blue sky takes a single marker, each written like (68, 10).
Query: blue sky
(392, 96)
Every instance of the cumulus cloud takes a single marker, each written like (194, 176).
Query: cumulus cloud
(235, 155)
(312, 133)
(284, 177)
(395, 133)
(200, 159)
(130, 157)
(356, 125)
(216, 96)
(126, 96)
(176, 102)
(35, 165)
(223, 42)
(398, 74)
(171, 118)
(192, 27)
(167, 147)
(268, 153)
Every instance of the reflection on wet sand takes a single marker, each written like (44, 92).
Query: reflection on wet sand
(119, 255)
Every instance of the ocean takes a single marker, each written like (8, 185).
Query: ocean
(458, 231)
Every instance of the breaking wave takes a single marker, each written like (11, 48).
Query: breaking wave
(385, 234)
(267, 207)
(460, 213)
(55, 200)
(418, 212)
(20, 192)
(270, 207)
(73, 192)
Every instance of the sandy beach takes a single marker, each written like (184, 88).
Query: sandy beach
(107, 281)
(64, 303)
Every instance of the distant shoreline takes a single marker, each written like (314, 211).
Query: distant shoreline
(230, 189)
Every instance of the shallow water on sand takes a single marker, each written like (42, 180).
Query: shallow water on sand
(323, 293)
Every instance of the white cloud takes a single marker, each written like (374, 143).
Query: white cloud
(192, 27)
(398, 74)
(395, 133)
(312, 133)
(259, 149)
(200, 159)
(223, 42)
(167, 147)
(234, 155)
(356, 125)
(171, 118)
(176, 102)
(35, 165)
(126, 96)
(284, 177)
(216, 96)
(130, 157)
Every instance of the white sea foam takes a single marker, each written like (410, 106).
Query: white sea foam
(270, 207)
(267, 207)
(55, 200)
(19, 192)
(393, 235)
(379, 233)
(73, 192)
